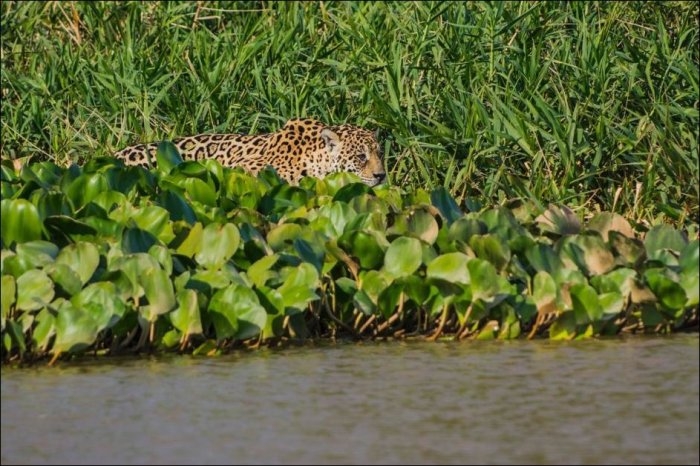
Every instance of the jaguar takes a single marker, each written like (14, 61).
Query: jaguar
(302, 147)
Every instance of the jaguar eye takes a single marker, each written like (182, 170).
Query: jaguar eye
(362, 157)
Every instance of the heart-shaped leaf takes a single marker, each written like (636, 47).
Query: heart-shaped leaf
(20, 221)
(82, 257)
(451, 267)
(403, 257)
(186, 316)
(219, 243)
(34, 290)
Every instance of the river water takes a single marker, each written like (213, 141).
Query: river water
(628, 400)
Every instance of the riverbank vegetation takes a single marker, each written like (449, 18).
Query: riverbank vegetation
(200, 258)
(542, 161)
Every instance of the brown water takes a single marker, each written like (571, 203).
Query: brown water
(629, 401)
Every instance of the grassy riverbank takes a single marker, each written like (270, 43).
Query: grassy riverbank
(590, 104)
(542, 161)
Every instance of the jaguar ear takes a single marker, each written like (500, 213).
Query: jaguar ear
(330, 138)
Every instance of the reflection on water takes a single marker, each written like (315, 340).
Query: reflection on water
(615, 401)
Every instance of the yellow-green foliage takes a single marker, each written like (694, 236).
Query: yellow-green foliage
(203, 258)
(592, 104)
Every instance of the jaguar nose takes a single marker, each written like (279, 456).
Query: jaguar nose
(379, 177)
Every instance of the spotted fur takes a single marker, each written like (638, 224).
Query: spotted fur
(303, 147)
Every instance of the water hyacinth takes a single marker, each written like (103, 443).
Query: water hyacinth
(168, 264)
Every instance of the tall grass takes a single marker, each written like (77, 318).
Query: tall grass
(592, 104)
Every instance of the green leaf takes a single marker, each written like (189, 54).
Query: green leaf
(199, 191)
(246, 189)
(441, 198)
(563, 327)
(101, 300)
(20, 221)
(136, 240)
(388, 298)
(483, 278)
(107, 200)
(612, 303)
(363, 302)
(584, 300)
(272, 302)
(215, 279)
(669, 292)
(63, 226)
(236, 313)
(339, 214)
(85, 188)
(186, 316)
(260, 271)
(178, 208)
(544, 293)
(335, 181)
(403, 257)
(8, 297)
(219, 243)
(491, 248)
(15, 335)
(364, 246)
(282, 198)
(280, 235)
(350, 191)
(347, 285)
(167, 156)
(464, 228)
(43, 173)
(489, 331)
(651, 317)
(510, 324)
(373, 282)
(34, 290)
(543, 258)
(690, 258)
(76, 329)
(65, 277)
(156, 221)
(690, 272)
(159, 291)
(50, 203)
(422, 225)
(44, 330)
(415, 288)
(133, 265)
(82, 257)
(311, 252)
(208, 348)
(170, 338)
(37, 254)
(299, 286)
(195, 169)
(451, 267)
(163, 256)
(619, 280)
(663, 237)
(192, 243)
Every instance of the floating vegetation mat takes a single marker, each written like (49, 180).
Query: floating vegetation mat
(200, 259)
